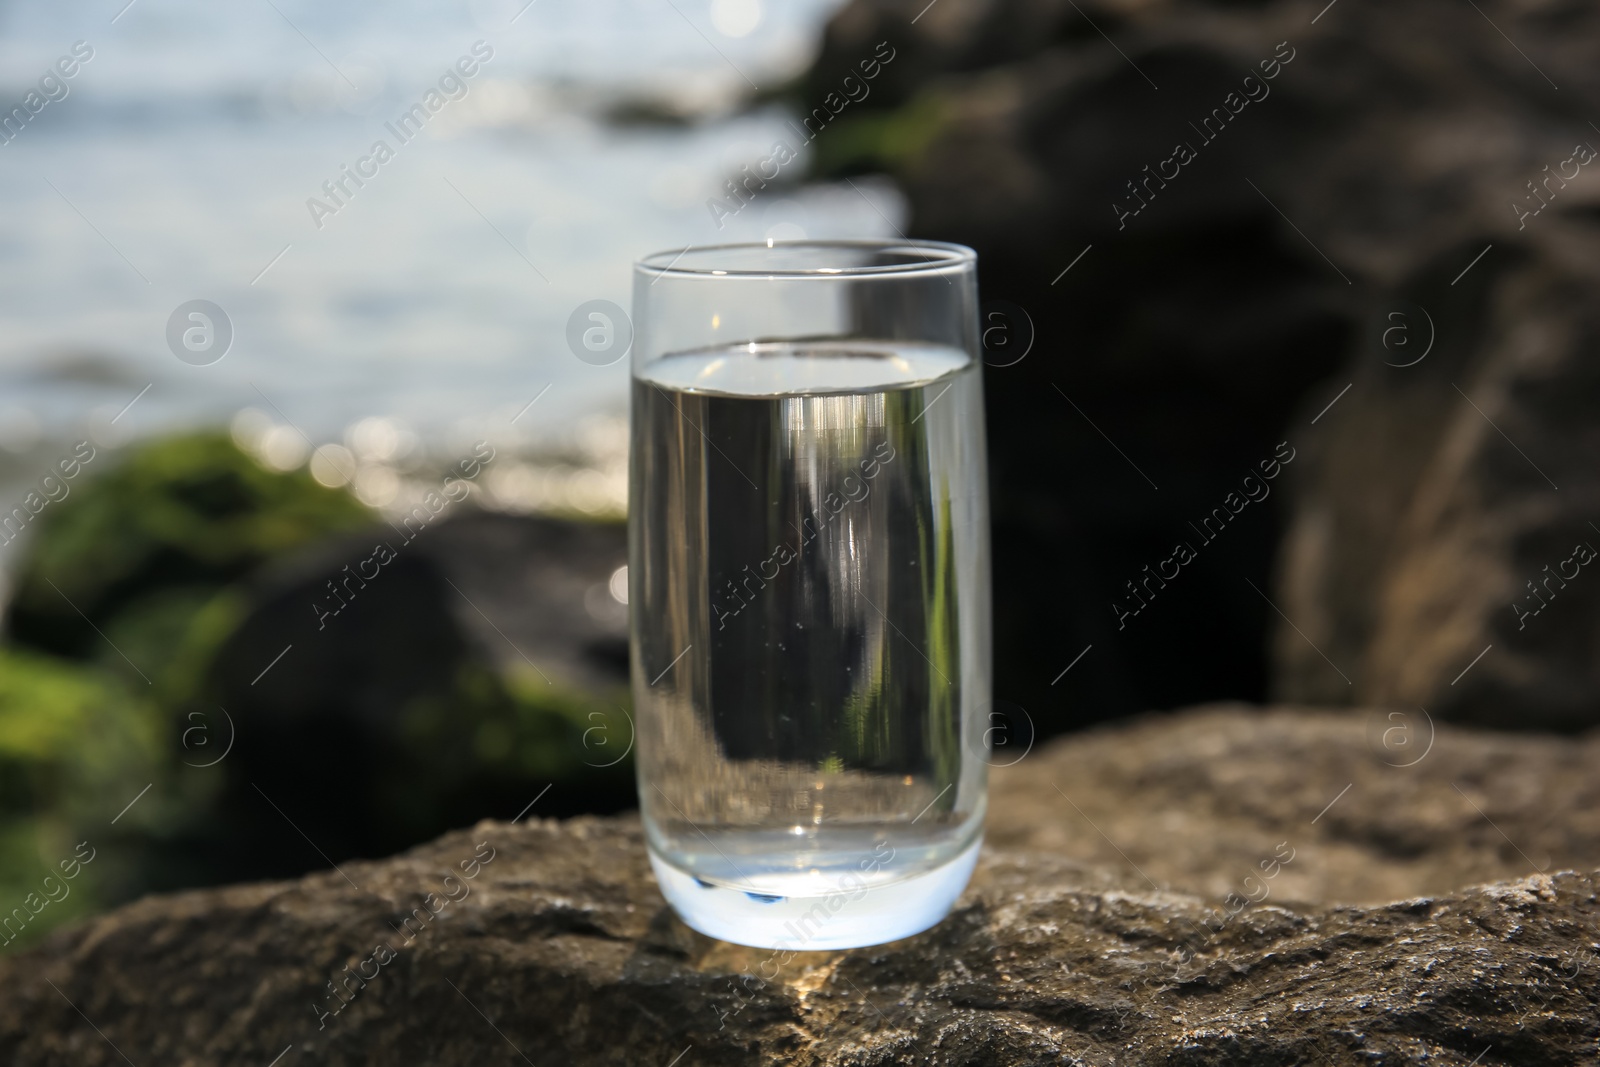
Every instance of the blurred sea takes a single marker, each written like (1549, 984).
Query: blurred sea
(434, 304)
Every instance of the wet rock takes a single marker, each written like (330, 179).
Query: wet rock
(550, 944)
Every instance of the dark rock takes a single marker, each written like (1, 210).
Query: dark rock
(520, 593)
(560, 949)
(1226, 314)
(1437, 553)
(1160, 373)
(387, 688)
(539, 590)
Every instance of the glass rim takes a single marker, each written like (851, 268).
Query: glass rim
(937, 257)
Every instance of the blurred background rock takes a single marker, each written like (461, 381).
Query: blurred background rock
(1328, 237)
(149, 642)
(1444, 461)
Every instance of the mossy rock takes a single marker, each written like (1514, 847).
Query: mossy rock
(881, 141)
(197, 570)
(190, 513)
(75, 748)
(384, 728)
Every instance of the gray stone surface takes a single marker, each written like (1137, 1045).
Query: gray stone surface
(560, 950)
(1377, 805)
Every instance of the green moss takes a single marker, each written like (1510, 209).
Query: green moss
(181, 672)
(888, 141)
(65, 733)
(502, 734)
(75, 748)
(189, 511)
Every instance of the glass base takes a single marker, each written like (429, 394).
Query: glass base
(838, 919)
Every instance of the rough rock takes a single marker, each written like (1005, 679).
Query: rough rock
(1221, 311)
(559, 949)
(1377, 806)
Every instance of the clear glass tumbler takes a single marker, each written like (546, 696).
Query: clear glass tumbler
(809, 586)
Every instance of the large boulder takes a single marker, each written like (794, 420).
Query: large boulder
(1442, 546)
(388, 685)
(1332, 174)
(1078, 941)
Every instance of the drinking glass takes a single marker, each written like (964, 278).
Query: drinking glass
(809, 586)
